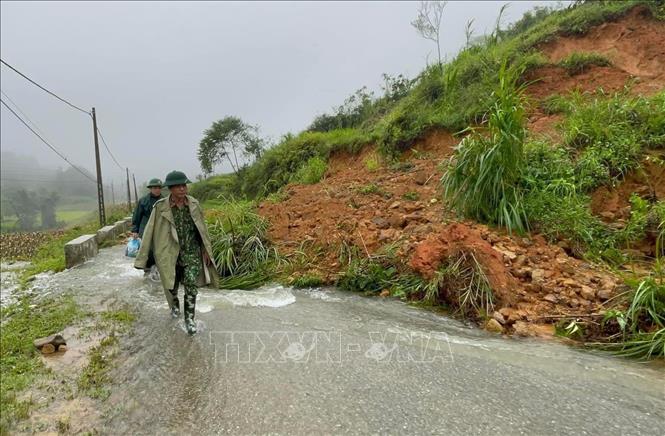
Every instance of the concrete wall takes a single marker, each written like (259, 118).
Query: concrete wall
(80, 249)
(86, 247)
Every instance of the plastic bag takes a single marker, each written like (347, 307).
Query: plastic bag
(132, 248)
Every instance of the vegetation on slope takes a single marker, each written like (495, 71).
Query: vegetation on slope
(499, 174)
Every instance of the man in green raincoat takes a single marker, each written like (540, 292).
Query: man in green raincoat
(177, 235)
(144, 207)
(142, 214)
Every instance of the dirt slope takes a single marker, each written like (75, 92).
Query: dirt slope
(535, 283)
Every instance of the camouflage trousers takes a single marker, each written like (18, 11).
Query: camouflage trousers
(186, 274)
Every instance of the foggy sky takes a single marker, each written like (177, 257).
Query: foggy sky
(160, 73)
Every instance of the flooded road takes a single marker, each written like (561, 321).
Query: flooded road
(277, 360)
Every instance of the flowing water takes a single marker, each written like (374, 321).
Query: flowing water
(278, 360)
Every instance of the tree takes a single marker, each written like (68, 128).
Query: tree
(47, 209)
(428, 23)
(25, 207)
(229, 139)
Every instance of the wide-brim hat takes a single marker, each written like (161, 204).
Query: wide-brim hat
(154, 183)
(176, 178)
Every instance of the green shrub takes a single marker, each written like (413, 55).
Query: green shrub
(213, 187)
(311, 172)
(578, 62)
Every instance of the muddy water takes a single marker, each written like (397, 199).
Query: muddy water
(277, 360)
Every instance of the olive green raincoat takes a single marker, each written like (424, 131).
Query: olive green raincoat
(160, 235)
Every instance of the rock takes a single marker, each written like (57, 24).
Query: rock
(519, 261)
(395, 205)
(420, 178)
(388, 235)
(415, 217)
(604, 294)
(570, 283)
(522, 273)
(521, 328)
(551, 298)
(509, 255)
(380, 222)
(587, 293)
(385, 293)
(433, 201)
(47, 349)
(397, 221)
(493, 326)
(412, 207)
(607, 215)
(51, 343)
(538, 275)
(499, 317)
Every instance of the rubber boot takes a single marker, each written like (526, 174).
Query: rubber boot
(175, 308)
(189, 306)
(172, 300)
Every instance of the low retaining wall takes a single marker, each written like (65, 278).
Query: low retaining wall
(86, 247)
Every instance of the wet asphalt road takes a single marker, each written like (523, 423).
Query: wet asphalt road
(282, 361)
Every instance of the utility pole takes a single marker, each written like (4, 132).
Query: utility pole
(100, 187)
(136, 195)
(129, 195)
(112, 193)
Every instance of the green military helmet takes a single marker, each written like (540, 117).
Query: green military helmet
(154, 183)
(176, 178)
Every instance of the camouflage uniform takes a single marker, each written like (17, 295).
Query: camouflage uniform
(189, 264)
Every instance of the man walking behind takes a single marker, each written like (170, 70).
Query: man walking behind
(142, 214)
(177, 235)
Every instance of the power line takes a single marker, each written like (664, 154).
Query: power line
(46, 142)
(44, 89)
(55, 182)
(109, 150)
(22, 113)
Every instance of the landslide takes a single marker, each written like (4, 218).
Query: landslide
(535, 283)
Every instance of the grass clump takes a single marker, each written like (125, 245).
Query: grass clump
(555, 104)
(370, 188)
(641, 327)
(96, 374)
(578, 62)
(411, 196)
(372, 162)
(311, 172)
(243, 255)
(461, 283)
(307, 280)
(23, 322)
(481, 179)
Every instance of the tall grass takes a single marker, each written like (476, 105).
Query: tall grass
(578, 62)
(481, 180)
(311, 172)
(239, 244)
(461, 282)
